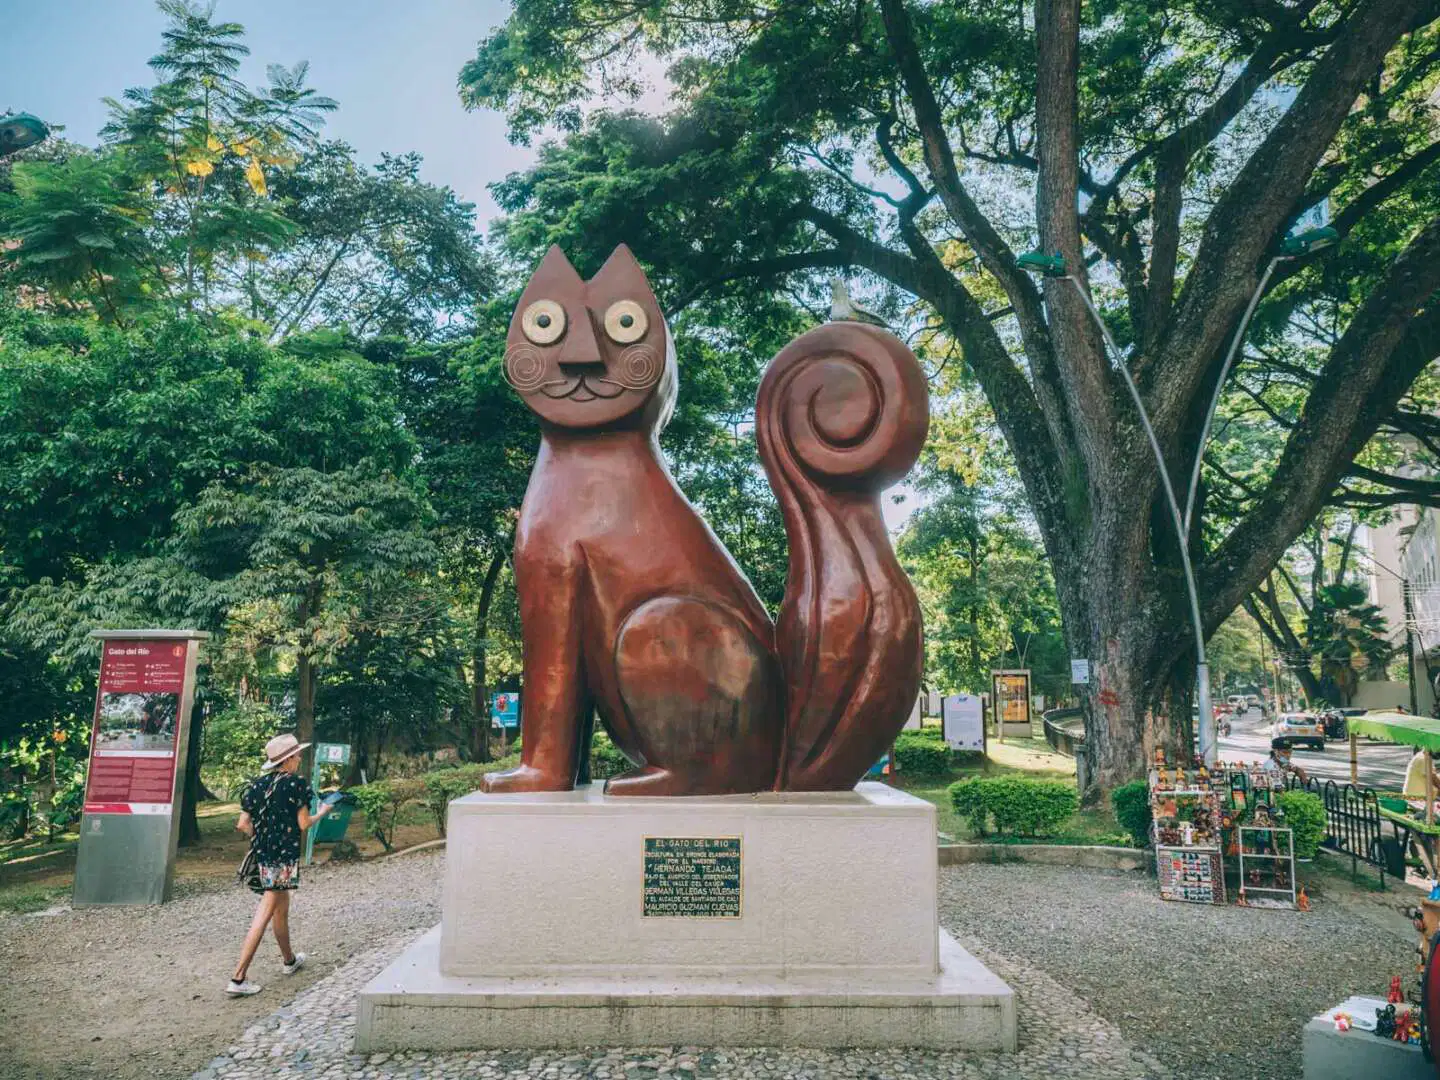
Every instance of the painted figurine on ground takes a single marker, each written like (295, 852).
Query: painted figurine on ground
(631, 608)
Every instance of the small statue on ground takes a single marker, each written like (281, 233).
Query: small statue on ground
(632, 609)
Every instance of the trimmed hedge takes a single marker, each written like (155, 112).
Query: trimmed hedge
(1017, 806)
(1305, 814)
(921, 755)
(442, 785)
(1132, 809)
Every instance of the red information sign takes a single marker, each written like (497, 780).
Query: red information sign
(132, 759)
(143, 667)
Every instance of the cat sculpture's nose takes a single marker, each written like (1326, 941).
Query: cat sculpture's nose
(581, 348)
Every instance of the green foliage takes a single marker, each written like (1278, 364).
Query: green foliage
(212, 196)
(1132, 809)
(983, 581)
(897, 144)
(381, 801)
(1347, 634)
(233, 744)
(1305, 814)
(921, 756)
(443, 785)
(606, 760)
(1017, 806)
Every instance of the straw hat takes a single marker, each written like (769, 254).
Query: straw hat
(280, 749)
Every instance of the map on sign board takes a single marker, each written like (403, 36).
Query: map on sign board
(963, 717)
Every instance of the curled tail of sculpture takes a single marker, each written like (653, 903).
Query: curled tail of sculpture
(841, 414)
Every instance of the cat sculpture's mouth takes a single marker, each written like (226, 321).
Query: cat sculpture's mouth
(583, 388)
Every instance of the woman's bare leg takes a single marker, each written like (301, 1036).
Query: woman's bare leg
(281, 924)
(263, 912)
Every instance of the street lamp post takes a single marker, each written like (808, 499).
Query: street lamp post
(1054, 266)
(1292, 248)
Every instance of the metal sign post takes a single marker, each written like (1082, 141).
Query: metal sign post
(326, 753)
(138, 745)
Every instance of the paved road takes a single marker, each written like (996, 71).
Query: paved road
(1381, 766)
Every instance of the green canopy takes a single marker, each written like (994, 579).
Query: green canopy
(1421, 732)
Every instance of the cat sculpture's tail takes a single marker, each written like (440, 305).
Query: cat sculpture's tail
(841, 414)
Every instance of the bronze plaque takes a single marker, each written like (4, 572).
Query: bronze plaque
(694, 877)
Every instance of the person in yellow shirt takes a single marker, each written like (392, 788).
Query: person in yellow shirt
(1415, 778)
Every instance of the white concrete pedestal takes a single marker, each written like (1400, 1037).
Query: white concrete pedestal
(544, 939)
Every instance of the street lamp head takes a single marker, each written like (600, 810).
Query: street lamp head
(18, 131)
(1037, 262)
(1309, 241)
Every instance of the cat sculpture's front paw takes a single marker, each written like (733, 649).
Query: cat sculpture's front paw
(524, 778)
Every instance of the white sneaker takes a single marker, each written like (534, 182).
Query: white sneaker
(243, 989)
(290, 969)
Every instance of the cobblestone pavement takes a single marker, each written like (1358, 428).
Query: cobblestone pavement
(312, 1037)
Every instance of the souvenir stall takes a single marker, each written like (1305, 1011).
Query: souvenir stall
(1203, 819)
(1187, 811)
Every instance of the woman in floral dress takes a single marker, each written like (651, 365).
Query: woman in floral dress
(275, 812)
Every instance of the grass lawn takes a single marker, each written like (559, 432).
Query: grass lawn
(34, 873)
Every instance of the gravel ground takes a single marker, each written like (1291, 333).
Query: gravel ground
(1218, 992)
(127, 993)
(1107, 974)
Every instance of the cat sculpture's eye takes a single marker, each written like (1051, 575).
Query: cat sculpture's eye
(543, 322)
(625, 321)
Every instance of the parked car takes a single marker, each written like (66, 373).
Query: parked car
(1300, 727)
(1236, 702)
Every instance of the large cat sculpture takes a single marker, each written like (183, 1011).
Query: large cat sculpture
(631, 608)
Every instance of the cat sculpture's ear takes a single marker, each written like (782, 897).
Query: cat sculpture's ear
(555, 272)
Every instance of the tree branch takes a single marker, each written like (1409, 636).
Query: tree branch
(1383, 350)
(760, 268)
(1254, 207)
(995, 254)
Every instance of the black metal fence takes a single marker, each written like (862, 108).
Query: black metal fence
(1353, 826)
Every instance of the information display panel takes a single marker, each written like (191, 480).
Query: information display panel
(1010, 698)
(138, 743)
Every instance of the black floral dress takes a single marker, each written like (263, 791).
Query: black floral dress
(273, 802)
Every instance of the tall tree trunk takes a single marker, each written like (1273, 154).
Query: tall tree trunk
(193, 790)
(974, 610)
(479, 687)
(305, 672)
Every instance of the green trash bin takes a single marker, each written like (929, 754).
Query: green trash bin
(331, 828)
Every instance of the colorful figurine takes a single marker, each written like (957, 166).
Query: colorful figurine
(1240, 900)
(1342, 1021)
(1396, 996)
(1435, 890)
(1385, 1021)
(1407, 1029)
(1301, 900)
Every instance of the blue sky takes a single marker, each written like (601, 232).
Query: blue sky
(391, 65)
